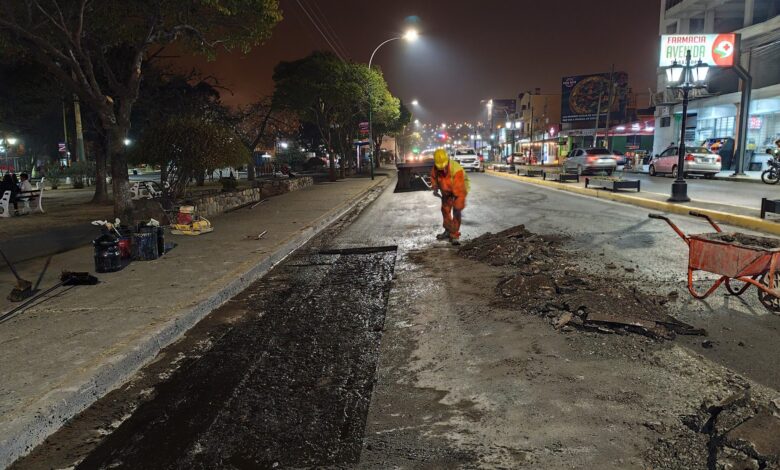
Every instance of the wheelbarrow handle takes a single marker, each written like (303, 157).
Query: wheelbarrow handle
(705, 216)
(671, 224)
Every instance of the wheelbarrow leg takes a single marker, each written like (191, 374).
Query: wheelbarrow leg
(742, 289)
(695, 294)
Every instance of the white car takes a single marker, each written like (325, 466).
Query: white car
(590, 160)
(698, 161)
(468, 159)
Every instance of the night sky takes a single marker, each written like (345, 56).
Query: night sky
(468, 50)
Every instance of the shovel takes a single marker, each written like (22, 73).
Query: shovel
(23, 288)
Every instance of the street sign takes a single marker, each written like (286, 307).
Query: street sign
(363, 128)
(62, 148)
(715, 50)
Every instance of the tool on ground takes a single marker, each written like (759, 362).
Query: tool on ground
(23, 288)
(188, 223)
(67, 278)
(752, 260)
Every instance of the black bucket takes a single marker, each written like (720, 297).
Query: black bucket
(108, 259)
(145, 244)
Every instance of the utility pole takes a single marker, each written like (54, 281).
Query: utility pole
(79, 130)
(609, 104)
(598, 116)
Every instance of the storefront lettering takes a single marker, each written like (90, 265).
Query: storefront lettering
(678, 52)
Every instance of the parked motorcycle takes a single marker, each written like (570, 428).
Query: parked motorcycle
(772, 175)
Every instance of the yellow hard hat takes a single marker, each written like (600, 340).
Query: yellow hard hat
(440, 159)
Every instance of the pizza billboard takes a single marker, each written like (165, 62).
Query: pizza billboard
(715, 50)
(580, 96)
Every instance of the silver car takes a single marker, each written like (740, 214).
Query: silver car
(592, 160)
(698, 161)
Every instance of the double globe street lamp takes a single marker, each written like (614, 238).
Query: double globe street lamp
(410, 36)
(686, 78)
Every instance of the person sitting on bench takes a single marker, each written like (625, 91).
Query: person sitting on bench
(8, 185)
(24, 183)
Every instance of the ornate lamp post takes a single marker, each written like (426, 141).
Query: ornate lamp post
(684, 77)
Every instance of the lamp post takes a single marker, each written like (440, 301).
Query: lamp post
(411, 36)
(685, 78)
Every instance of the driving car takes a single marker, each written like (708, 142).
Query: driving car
(621, 157)
(468, 159)
(698, 161)
(590, 160)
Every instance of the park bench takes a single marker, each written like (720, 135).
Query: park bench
(25, 198)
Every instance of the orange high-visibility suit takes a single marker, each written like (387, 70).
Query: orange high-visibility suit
(452, 183)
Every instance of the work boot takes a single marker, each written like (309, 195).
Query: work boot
(443, 236)
(455, 242)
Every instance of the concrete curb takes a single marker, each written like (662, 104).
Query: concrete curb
(24, 434)
(744, 221)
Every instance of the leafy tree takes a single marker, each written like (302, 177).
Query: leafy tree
(333, 96)
(187, 148)
(99, 51)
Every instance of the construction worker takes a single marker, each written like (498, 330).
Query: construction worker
(449, 182)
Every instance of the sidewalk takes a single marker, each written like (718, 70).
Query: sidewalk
(735, 215)
(63, 354)
(749, 177)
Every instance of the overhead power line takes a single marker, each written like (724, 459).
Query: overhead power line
(328, 28)
(324, 36)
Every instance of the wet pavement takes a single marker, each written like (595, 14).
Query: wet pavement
(286, 379)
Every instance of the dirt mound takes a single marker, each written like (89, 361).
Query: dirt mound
(545, 283)
(743, 239)
(515, 246)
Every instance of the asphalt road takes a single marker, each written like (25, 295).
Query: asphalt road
(459, 382)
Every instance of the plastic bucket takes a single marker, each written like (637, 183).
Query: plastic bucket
(145, 244)
(106, 254)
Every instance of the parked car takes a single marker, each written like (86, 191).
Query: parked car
(468, 159)
(591, 160)
(698, 161)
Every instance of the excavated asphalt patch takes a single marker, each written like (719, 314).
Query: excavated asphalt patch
(289, 385)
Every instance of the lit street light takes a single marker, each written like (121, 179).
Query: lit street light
(127, 142)
(415, 103)
(684, 77)
(411, 36)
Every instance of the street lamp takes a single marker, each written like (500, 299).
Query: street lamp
(410, 35)
(686, 78)
(127, 142)
(415, 103)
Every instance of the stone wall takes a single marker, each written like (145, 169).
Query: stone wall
(211, 205)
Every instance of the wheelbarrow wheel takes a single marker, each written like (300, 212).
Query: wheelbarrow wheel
(771, 302)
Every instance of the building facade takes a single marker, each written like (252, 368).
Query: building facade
(713, 114)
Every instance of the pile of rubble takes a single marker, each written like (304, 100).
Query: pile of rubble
(743, 433)
(544, 282)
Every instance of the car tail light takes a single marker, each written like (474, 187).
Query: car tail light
(717, 158)
(689, 158)
(481, 158)
(592, 159)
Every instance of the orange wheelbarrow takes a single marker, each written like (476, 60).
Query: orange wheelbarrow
(733, 261)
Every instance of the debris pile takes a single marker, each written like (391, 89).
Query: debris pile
(743, 239)
(544, 282)
(743, 433)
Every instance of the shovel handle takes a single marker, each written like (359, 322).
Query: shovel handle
(13, 270)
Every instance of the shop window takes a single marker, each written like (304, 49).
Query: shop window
(666, 121)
